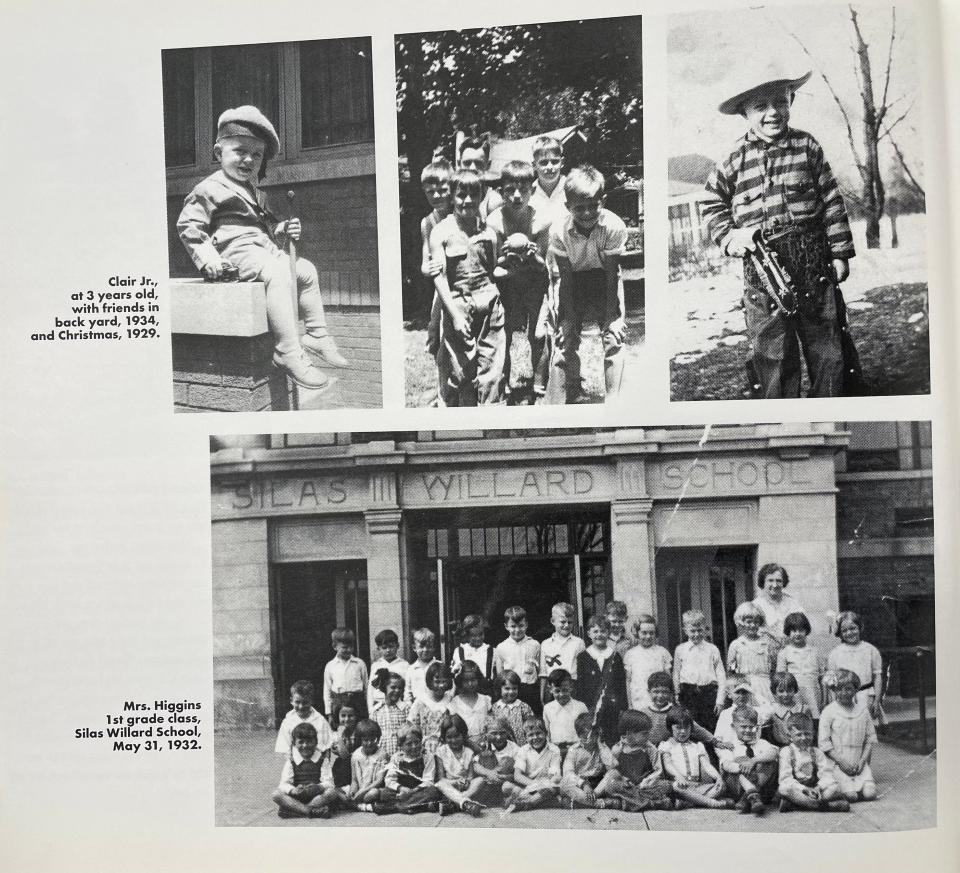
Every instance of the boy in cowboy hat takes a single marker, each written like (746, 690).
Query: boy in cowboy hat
(225, 223)
(777, 181)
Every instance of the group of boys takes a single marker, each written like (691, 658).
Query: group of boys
(657, 758)
(542, 255)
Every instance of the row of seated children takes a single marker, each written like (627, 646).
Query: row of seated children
(650, 766)
(498, 263)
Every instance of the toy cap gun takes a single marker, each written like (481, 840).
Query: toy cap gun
(776, 280)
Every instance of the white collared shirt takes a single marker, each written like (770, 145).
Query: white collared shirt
(560, 653)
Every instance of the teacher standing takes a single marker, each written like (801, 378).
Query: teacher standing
(774, 601)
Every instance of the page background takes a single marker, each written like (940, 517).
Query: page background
(106, 533)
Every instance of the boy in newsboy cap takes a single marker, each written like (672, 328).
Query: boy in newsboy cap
(777, 180)
(225, 222)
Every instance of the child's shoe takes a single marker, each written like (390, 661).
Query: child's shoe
(786, 805)
(609, 803)
(324, 347)
(471, 807)
(444, 807)
(743, 805)
(298, 367)
(756, 805)
(841, 805)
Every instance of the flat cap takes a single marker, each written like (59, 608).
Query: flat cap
(249, 121)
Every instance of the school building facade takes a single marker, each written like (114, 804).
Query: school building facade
(319, 96)
(403, 530)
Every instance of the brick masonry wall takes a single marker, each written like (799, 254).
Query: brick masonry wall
(339, 219)
(357, 332)
(226, 374)
(865, 508)
(909, 584)
(893, 590)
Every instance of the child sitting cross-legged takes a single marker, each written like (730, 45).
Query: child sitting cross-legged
(536, 770)
(635, 779)
(494, 763)
(806, 777)
(586, 762)
(306, 783)
(368, 768)
(456, 779)
(696, 781)
(409, 783)
(750, 767)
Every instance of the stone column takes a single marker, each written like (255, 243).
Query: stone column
(633, 574)
(384, 587)
(242, 673)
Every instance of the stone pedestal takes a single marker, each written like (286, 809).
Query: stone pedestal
(223, 349)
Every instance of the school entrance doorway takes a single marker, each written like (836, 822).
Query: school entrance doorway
(485, 561)
(309, 600)
(713, 580)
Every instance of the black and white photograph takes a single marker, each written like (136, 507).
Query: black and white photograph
(797, 204)
(272, 226)
(711, 628)
(521, 212)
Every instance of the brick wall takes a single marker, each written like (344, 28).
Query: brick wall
(904, 617)
(226, 374)
(357, 332)
(865, 508)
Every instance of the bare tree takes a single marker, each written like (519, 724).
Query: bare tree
(875, 125)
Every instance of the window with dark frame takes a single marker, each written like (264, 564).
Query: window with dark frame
(245, 75)
(336, 92)
(179, 107)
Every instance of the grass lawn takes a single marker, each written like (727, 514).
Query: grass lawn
(894, 351)
(421, 369)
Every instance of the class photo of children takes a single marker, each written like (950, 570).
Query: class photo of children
(272, 231)
(659, 640)
(521, 197)
(797, 240)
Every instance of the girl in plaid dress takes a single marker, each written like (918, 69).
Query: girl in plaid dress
(391, 713)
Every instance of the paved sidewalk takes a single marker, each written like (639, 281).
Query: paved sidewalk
(247, 770)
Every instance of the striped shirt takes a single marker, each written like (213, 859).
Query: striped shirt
(773, 184)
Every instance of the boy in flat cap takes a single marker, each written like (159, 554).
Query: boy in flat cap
(777, 182)
(225, 223)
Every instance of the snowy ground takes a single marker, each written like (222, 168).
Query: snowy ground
(708, 312)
